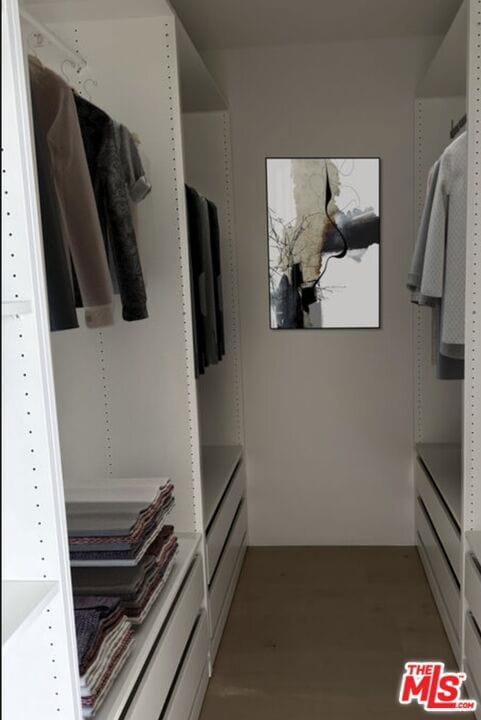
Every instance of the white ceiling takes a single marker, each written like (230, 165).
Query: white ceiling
(215, 24)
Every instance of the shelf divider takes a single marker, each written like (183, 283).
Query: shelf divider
(23, 602)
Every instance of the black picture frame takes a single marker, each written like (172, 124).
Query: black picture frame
(365, 328)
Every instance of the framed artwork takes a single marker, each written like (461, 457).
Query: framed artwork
(323, 226)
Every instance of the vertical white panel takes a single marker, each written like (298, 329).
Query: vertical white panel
(472, 383)
(207, 156)
(438, 403)
(34, 541)
(472, 387)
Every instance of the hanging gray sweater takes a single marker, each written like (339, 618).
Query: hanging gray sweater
(448, 368)
(444, 269)
(417, 264)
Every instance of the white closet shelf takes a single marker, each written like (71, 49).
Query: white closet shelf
(12, 308)
(113, 706)
(474, 541)
(115, 489)
(218, 465)
(23, 602)
(443, 462)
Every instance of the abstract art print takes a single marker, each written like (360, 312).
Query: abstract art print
(324, 242)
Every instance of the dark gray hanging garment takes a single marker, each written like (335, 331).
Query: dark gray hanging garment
(207, 287)
(217, 272)
(196, 272)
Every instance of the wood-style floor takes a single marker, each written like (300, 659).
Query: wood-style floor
(323, 633)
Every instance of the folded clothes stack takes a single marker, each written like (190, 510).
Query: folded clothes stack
(122, 552)
(111, 528)
(138, 586)
(104, 640)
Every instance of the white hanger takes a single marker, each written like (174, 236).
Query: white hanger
(62, 68)
(89, 80)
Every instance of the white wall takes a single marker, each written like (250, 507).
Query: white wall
(328, 413)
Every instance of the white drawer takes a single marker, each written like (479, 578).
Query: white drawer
(219, 630)
(221, 582)
(473, 651)
(441, 518)
(442, 573)
(472, 691)
(200, 695)
(158, 677)
(473, 587)
(194, 669)
(219, 528)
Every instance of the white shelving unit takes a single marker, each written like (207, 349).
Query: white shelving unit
(218, 465)
(22, 602)
(448, 414)
(121, 402)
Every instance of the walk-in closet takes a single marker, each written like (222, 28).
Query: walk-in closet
(241, 352)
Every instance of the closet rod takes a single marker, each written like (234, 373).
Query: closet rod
(74, 55)
(459, 126)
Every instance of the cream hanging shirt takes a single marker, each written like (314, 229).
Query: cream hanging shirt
(79, 220)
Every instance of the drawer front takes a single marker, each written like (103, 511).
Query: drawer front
(471, 690)
(156, 682)
(445, 526)
(219, 630)
(441, 605)
(220, 585)
(219, 529)
(440, 568)
(184, 696)
(200, 695)
(473, 651)
(473, 587)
